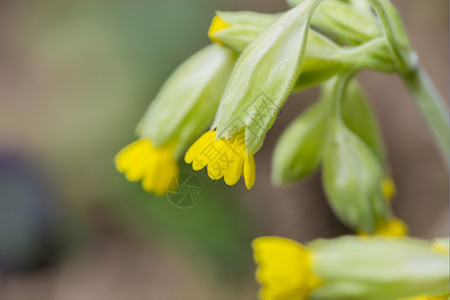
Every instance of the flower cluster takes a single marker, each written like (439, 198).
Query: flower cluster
(237, 86)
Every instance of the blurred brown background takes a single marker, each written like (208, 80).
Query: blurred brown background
(76, 76)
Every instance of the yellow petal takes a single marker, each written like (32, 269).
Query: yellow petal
(155, 166)
(284, 269)
(249, 171)
(166, 174)
(223, 158)
(128, 155)
(217, 25)
(194, 153)
(234, 172)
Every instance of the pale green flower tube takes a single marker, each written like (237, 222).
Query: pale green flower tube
(378, 268)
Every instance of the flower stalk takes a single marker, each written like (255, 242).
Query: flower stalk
(432, 106)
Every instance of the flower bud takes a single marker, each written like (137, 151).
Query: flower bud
(350, 23)
(358, 116)
(323, 58)
(263, 77)
(298, 153)
(236, 30)
(352, 177)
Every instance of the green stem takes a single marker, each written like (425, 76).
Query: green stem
(389, 33)
(432, 106)
(338, 86)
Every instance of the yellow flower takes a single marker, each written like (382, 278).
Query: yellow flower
(284, 269)
(217, 25)
(388, 188)
(424, 297)
(155, 166)
(226, 158)
(392, 228)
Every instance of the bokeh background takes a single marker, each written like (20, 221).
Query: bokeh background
(75, 78)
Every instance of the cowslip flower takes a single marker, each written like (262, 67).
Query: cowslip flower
(181, 111)
(259, 84)
(224, 157)
(348, 268)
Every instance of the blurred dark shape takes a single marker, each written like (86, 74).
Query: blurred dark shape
(28, 218)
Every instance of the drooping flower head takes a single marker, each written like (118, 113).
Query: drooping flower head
(259, 84)
(182, 110)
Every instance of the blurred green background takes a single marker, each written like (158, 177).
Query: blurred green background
(75, 78)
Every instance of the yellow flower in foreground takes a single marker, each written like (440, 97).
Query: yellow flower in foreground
(155, 166)
(284, 269)
(217, 25)
(226, 158)
(388, 188)
(392, 228)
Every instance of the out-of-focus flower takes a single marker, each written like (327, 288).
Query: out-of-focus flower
(284, 269)
(391, 228)
(388, 188)
(349, 268)
(155, 166)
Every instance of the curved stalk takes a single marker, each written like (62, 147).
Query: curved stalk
(403, 61)
(432, 106)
